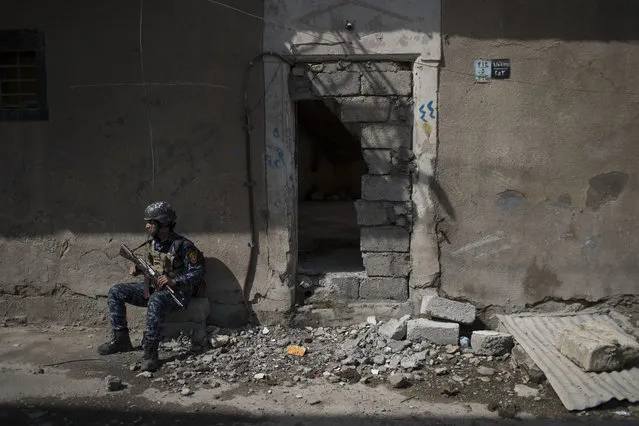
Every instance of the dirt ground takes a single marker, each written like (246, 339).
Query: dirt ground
(52, 376)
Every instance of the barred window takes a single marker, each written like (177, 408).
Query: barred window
(22, 76)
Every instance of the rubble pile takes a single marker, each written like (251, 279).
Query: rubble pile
(400, 351)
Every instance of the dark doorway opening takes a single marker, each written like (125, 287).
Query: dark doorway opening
(330, 168)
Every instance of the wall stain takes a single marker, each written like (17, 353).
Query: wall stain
(510, 199)
(540, 282)
(605, 188)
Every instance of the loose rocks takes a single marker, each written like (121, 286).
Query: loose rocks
(113, 383)
(488, 342)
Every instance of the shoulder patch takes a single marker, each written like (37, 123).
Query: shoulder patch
(193, 257)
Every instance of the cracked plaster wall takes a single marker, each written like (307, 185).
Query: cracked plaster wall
(542, 180)
(75, 187)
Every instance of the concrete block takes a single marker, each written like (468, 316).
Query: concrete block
(393, 329)
(488, 342)
(341, 83)
(386, 188)
(386, 264)
(385, 239)
(338, 285)
(364, 109)
(596, 346)
(399, 83)
(197, 310)
(379, 136)
(373, 213)
(442, 308)
(402, 110)
(379, 161)
(440, 333)
(383, 288)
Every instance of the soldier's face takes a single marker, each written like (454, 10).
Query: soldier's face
(152, 227)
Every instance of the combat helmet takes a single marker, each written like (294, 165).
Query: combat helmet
(161, 211)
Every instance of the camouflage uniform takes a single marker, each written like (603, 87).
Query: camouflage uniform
(176, 257)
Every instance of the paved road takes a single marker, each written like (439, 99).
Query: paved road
(35, 392)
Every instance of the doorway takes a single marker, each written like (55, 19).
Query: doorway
(330, 170)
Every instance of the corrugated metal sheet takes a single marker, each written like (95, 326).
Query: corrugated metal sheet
(577, 389)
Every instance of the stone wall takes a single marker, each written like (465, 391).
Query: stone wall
(373, 100)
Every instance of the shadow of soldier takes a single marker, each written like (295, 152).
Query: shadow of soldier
(220, 304)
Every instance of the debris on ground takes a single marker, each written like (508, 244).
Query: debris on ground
(113, 383)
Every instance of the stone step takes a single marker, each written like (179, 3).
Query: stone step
(343, 313)
(352, 286)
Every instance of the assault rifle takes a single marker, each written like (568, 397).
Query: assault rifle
(148, 271)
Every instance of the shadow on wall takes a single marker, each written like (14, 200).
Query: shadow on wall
(602, 20)
(224, 291)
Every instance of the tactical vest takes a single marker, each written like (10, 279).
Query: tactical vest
(167, 263)
(163, 263)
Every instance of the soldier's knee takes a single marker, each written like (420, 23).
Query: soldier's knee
(157, 303)
(114, 292)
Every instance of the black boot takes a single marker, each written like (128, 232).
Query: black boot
(150, 361)
(120, 343)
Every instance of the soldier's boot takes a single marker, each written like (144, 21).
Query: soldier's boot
(119, 343)
(150, 359)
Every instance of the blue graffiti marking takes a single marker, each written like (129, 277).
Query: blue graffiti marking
(279, 157)
(431, 109)
(276, 132)
(421, 109)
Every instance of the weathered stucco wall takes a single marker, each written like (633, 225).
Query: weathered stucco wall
(540, 170)
(75, 187)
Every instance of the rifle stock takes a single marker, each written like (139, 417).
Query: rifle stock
(147, 270)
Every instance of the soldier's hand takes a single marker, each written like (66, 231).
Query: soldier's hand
(164, 280)
(133, 271)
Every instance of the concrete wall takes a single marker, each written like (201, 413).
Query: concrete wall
(540, 171)
(74, 187)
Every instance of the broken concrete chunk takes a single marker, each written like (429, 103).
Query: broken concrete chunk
(440, 333)
(442, 308)
(393, 329)
(526, 363)
(526, 391)
(488, 342)
(113, 383)
(597, 347)
(398, 381)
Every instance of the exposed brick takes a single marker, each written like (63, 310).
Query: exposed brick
(384, 289)
(373, 213)
(336, 285)
(399, 83)
(387, 264)
(379, 161)
(336, 84)
(377, 66)
(385, 239)
(386, 188)
(402, 110)
(365, 109)
(377, 136)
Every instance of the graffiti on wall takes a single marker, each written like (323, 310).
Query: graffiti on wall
(427, 112)
(274, 156)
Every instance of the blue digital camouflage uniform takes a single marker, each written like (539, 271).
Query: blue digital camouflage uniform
(183, 262)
